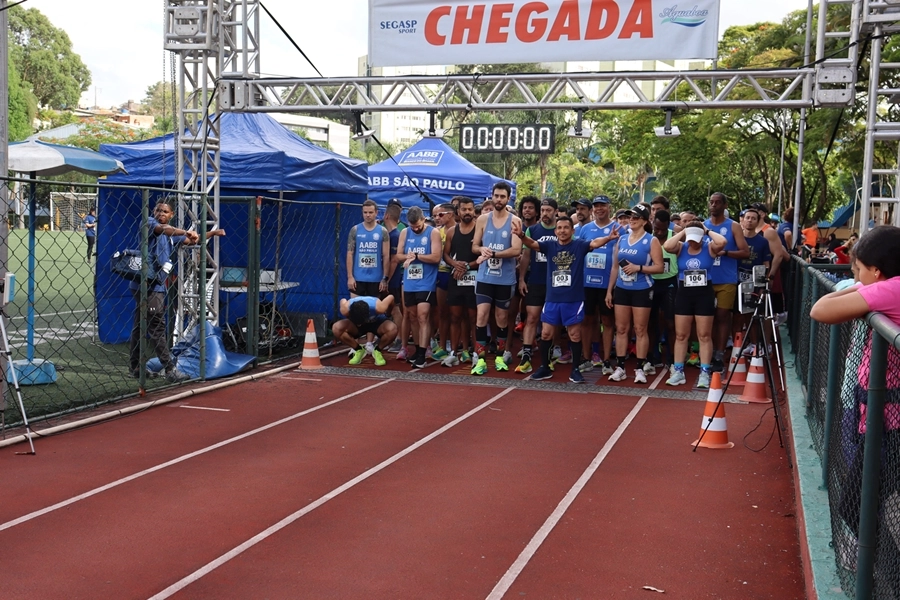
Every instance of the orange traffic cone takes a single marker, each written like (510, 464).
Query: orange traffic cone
(755, 389)
(717, 434)
(310, 359)
(738, 362)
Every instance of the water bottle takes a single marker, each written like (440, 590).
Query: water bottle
(167, 268)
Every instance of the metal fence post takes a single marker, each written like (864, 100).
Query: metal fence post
(201, 311)
(831, 392)
(337, 260)
(868, 506)
(813, 332)
(253, 248)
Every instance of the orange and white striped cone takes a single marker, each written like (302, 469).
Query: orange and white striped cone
(310, 359)
(755, 390)
(738, 362)
(716, 435)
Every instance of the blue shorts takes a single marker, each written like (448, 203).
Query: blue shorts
(443, 279)
(562, 313)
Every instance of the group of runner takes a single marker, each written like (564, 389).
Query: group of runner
(645, 274)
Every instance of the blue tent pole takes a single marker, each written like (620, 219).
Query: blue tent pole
(32, 210)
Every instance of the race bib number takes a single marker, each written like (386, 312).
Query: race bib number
(540, 257)
(695, 278)
(717, 262)
(368, 261)
(595, 260)
(415, 272)
(745, 276)
(667, 262)
(623, 276)
(562, 279)
(495, 266)
(467, 280)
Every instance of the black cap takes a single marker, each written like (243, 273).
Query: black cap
(395, 202)
(641, 211)
(601, 199)
(582, 202)
(622, 212)
(550, 202)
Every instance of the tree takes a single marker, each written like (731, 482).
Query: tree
(102, 131)
(159, 99)
(43, 57)
(22, 106)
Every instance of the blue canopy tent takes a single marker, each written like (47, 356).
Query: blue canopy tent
(259, 157)
(842, 216)
(438, 170)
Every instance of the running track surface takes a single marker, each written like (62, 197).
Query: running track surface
(310, 485)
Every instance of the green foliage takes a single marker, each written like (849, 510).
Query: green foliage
(103, 131)
(43, 57)
(57, 118)
(158, 99)
(22, 106)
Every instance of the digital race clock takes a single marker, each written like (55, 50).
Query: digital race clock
(513, 137)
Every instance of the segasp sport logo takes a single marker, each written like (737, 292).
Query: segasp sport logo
(407, 26)
(691, 17)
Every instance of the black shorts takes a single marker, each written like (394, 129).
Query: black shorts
(594, 299)
(492, 293)
(397, 293)
(461, 295)
(537, 294)
(633, 298)
(412, 299)
(368, 288)
(695, 301)
(664, 292)
(367, 328)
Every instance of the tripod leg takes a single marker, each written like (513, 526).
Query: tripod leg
(15, 381)
(775, 341)
(779, 418)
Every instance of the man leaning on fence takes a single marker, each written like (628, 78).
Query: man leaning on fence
(163, 239)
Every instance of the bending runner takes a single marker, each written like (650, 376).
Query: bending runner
(365, 315)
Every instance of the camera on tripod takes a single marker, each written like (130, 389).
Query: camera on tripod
(751, 292)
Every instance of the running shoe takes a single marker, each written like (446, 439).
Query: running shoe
(450, 360)
(395, 347)
(521, 352)
(677, 378)
(717, 366)
(576, 376)
(586, 366)
(565, 358)
(639, 376)
(557, 352)
(703, 380)
(618, 375)
(780, 319)
(543, 372)
(750, 350)
(607, 368)
(730, 342)
(428, 353)
(402, 355)
(649, 369)
(358, 355)
(480, 367)
(596, 360)
(492, 347)
(379, 358)
(524, 367)
(520, 327)
(439, 354)
(500, 362)
(694, 359)
(464, 356)
(419, 362)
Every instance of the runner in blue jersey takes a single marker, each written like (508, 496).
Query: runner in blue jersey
(565, 292)
(368, 255)
(695, 303)
(533, 279)
(637, 256)
(365, 315)
(496, 278)
(422, 250)
(760, 254)
(597, 274)
(724, 274)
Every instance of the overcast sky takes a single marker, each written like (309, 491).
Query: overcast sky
(121, 41)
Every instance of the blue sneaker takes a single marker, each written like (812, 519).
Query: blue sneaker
(543, 372)
(576, 376)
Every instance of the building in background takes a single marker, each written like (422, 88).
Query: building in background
(328, 134)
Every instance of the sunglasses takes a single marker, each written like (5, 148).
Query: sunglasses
(441, 214)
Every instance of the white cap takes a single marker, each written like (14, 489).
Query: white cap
(693, 234)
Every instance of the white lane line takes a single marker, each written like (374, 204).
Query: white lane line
(532, 547)
(204, 408)
(292, 378)
(209, 567)
(180, 459)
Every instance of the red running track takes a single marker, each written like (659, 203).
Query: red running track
(406, 490)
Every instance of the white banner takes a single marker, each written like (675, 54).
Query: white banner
(455, 32)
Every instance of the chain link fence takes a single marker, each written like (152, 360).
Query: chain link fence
(279, 264)
(839, 366)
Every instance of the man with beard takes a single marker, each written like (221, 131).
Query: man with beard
(496, 278)
(582, 214)
(528, 212)
(533, 280)
(459, 256)
(368, 255)
(597, 271)
(724, 274)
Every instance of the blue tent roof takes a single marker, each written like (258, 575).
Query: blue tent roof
(842, 216)
(257, 153)
(439, 171)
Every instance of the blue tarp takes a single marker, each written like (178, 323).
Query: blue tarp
(438, 170)
(270, 164)
(842, 216)
(257, 153)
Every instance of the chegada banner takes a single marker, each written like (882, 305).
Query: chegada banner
(454, 32)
